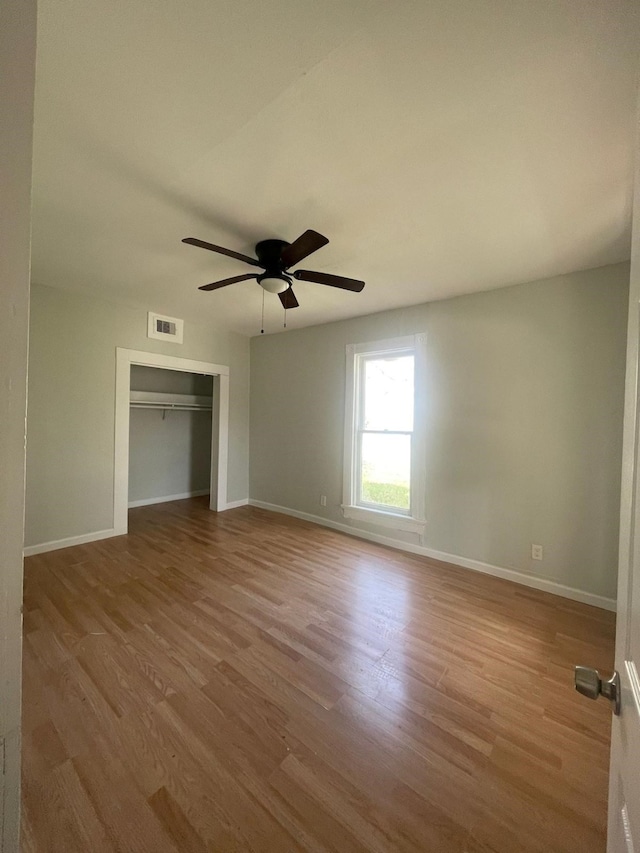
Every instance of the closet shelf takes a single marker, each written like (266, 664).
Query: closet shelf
(160, 400)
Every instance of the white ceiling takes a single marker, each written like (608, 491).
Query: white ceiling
(444, 147)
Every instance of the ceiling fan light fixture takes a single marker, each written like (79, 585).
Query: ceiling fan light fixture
(274, 283)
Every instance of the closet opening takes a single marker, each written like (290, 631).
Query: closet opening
(171, 431)
(170, 435)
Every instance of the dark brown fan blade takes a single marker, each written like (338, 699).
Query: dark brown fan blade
(193, 241)
(288, 299)
(332, 280)
(306, 243)
(226, 281)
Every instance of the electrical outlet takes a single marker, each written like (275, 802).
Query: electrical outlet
(536, 552)
(323, 500)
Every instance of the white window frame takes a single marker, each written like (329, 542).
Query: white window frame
(413, 520)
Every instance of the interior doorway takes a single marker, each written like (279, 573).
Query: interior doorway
(125, 360)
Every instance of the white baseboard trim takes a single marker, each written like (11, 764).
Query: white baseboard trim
(542, 584)
(236, 504)
(167, 498)
(57, 544)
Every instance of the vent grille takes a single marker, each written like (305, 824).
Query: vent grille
(164, 328)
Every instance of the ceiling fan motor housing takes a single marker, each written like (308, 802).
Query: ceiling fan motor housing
(269, 253)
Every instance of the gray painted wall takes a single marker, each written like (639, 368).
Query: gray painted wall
(169, 381)
(170, 455)
(525, 398)
(70, 425)
(17, 70)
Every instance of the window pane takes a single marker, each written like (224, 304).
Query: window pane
(386, 470)
(388, 393)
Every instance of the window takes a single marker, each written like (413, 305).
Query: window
(384, 433)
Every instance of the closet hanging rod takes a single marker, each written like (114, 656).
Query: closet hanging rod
(178, 407)
(165, 400)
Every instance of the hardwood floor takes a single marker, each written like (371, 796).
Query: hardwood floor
(250, 682)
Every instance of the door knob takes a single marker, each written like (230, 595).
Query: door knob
(589, 683)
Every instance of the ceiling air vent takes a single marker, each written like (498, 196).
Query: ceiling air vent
(164, 328)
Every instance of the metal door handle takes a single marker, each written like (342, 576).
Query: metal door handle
(589, 683)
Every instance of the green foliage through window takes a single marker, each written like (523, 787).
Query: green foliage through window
(388, 494)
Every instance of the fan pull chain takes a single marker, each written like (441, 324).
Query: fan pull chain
(262, 329)
(285, 318)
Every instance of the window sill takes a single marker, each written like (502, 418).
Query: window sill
(384, 519)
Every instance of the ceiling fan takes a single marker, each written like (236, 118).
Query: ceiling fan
(275, 257)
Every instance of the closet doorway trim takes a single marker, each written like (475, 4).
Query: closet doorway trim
(220, 431)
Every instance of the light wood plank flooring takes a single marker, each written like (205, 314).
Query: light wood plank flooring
(250, 682)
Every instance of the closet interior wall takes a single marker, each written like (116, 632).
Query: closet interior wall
(169, 448)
